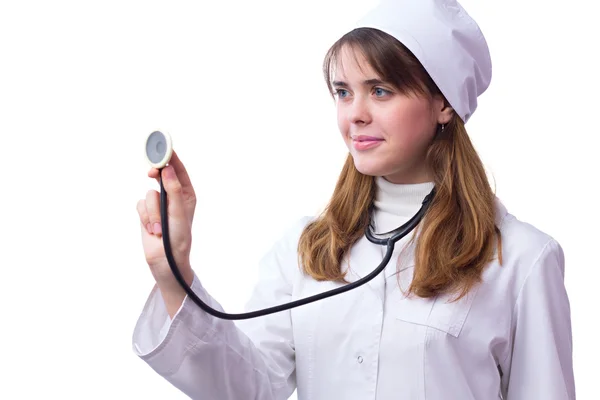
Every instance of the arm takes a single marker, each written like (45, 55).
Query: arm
(209, 358)
(540, 365)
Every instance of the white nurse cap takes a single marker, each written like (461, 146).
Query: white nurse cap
(447, 42)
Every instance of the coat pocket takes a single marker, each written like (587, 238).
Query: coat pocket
(439, 312)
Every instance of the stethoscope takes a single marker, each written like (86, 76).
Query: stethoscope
(158, 153)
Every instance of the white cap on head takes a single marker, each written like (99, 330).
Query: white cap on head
(447, 42)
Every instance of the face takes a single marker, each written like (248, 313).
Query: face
(387, 132)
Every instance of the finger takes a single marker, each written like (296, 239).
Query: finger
(181, 172)
(143, 213)
(153, 208)
(153, 173)
(174, 191)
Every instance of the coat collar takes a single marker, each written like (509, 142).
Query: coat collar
(365, 257)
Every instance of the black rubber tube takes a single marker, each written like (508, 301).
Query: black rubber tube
(396, 235)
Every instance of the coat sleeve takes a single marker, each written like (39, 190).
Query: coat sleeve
(540, 365)
(209, 358)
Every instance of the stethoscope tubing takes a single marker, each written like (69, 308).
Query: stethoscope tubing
(388, 242)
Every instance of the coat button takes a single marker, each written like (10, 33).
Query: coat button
(359, 359)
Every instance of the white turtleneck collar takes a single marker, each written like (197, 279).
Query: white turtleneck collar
(397, 203)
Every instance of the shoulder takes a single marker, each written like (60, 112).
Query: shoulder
(293, 232)
(287, 244)
(521, 236)
(525, 247)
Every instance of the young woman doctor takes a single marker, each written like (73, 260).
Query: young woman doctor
(473, 306)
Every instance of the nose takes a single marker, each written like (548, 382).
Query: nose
(359, 112)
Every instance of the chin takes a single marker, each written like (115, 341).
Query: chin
(370, 168)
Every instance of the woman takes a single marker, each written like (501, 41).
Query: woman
(474, 306)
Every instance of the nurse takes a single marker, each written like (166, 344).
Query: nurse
(473, 304)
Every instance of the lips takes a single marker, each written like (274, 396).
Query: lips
(365, 142)
(363, 138)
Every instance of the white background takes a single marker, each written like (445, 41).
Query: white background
(238, 85)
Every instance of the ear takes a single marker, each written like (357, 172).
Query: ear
(443, 111)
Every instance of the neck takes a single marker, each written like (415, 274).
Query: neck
(397, 203)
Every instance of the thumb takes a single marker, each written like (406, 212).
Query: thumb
(174, 191)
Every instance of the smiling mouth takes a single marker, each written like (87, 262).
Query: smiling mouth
(365, 138)
(365, 143)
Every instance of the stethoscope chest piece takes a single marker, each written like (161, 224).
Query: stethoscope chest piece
(159, 148)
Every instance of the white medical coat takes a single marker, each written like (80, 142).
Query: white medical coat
(509, 338)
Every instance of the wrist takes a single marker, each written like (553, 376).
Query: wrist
(172, 292)
(166, 280)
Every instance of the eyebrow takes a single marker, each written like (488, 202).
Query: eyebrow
(368, 82)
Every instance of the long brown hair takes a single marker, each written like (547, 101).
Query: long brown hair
(457, 237)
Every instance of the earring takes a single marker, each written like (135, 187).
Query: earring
(443, 126)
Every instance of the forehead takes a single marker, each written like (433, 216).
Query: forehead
(352, 65)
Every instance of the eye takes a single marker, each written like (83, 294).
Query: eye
(341, 93)
(380, 92)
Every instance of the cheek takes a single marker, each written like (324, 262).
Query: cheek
(342, 122)
(412, 126)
